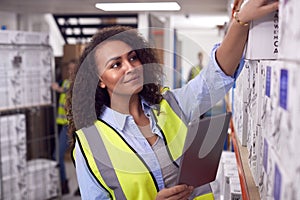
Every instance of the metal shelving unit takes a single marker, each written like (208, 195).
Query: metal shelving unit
(28, 135)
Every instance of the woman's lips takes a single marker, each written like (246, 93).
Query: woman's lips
(132, 79)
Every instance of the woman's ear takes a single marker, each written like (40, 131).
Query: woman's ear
(101, 84)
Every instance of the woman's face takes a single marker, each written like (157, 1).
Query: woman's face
(120, 70)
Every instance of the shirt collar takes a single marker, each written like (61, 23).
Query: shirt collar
(118, 120)
(114, 118)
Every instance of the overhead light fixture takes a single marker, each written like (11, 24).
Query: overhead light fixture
(151, 6)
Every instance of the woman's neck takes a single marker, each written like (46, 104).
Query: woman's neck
(130, 106)
(126, 105)
(133, 107)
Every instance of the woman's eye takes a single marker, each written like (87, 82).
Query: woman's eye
(115, 65)
(133, 58)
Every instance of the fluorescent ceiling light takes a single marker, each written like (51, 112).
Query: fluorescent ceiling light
(153, 6)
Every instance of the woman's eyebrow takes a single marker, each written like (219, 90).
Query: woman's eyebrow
(118, 57)
(130, 52)
(113, 58)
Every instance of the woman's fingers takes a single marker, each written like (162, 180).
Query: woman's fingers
(269, 7)
(255, 9)
(177, 192)
(185, 194)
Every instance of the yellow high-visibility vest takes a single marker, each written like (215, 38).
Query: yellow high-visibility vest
(119, 169)
(61, 118)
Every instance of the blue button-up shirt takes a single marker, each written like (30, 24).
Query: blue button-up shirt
(195, 98)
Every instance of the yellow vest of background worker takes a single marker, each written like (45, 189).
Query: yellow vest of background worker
(104, 150)
(61, 118)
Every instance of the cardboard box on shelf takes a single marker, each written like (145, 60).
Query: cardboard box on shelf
(72, 51)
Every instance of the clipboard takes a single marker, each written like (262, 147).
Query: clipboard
(202, 150)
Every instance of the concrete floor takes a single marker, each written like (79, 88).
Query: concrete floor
(73, 184)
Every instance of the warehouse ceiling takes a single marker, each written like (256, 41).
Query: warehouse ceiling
(70, 10)
(188, 7)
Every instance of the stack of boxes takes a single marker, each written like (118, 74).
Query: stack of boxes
(42, 179)
(26, 69)
(273, 103)
(13, 156)
(35, 179)
(26, 72)
(240, 104)
(228, 177)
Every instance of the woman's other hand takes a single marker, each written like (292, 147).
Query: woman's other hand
(177, 192)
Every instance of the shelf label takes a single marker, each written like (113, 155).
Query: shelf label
(277, 183)
(265, 156)
(268, 81)
(283, 92)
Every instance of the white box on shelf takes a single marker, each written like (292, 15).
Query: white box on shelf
(263, 38)
(229, 174)
(8, 167)
(20, 127)
(287, 128)
(241, 99)
(36, 38)
(23, 37)
(261, 92)
(4, 37)
(289, 30)
(32, 57)
(284, 187)
(271, 100)
(42, 178)
(3, 99)
(43, 192)
(269, 172)
(13, 188)
(227, 159)
(17, 37)
(42, 166)
(6, 130)
(235, 189)
(229, 170)
(45, 95)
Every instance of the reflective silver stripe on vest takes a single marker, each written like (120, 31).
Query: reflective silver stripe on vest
(169, 97)
(202, 190)
(104, 165)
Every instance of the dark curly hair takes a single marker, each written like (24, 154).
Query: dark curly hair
(85, 99)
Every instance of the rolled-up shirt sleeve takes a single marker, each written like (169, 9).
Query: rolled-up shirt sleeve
(206, 89)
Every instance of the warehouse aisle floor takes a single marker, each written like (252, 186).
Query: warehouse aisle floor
(73, 184)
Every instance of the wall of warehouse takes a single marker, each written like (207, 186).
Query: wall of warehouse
(195, 40)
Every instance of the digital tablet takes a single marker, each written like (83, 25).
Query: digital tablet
(202, 150)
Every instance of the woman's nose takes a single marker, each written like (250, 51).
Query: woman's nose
(128, 65)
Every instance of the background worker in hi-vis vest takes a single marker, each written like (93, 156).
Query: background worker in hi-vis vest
(128, 133)
(62, 122)
(195, 70)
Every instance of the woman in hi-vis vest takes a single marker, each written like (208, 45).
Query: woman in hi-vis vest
(128, 130)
